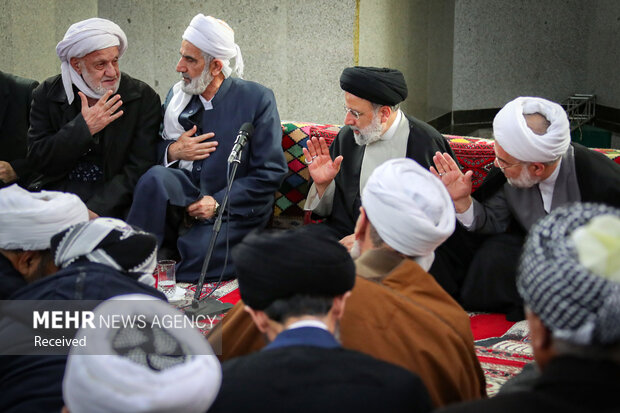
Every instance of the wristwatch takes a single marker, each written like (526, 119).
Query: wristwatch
(216, 211)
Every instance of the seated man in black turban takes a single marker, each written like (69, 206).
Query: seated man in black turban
(297, 303)
(375, 131)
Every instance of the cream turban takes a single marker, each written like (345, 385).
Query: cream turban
(516, 138)
(409, 207)
(81, 39)
(217, 39)
(28, 220)
(151, 369)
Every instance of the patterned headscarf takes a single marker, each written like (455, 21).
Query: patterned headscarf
(158, 368)
(578, 301)
(111, 242)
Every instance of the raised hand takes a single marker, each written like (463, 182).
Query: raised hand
(102, 113)
(457, 183)
(204, 208)
(320, 165)
(192, 148)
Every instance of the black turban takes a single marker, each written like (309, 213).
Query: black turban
(378, 85)
(274, 265)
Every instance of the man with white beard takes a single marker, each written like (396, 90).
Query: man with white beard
(179, 200)
(375, 131)
(92, 131)
(537, 170)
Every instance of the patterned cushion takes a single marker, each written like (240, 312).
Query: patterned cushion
(475, 154)
(291, 197)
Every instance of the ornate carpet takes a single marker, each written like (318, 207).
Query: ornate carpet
(502, 347)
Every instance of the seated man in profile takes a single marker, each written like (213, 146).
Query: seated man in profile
(179, 200)
(93, 130)
(397, 312)
(537, 170)
(297, 303)
(15, 99)
(569, 278)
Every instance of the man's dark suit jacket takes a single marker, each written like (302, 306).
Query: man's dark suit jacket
(306, 370)
(15, 98)
(568, 385)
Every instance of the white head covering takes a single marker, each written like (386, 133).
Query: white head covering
(81, 39)
(409, 207)
(216, 38)
(155, 369)
(516, 138)
(28, 220)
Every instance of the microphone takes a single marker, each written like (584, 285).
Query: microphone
(243, 135)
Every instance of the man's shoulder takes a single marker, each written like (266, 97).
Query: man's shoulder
(17, 83)
(131, 86)
(249, 85)
(420, 127)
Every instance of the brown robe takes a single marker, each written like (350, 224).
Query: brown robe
(397, 313)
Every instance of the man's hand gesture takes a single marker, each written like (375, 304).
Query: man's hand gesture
(204, 208)
(320, 165)
(102, 113)
(191, 148)
(457, 183)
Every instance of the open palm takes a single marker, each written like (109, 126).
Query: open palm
(320, 164)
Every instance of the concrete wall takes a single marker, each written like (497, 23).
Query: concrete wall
(416, 37)
(29, 32)
(507, 48)
(603, 52)
(296, 48)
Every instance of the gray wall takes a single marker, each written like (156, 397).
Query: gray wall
(455, 54)
(416, 37)
(551, 48)
(603, 52)
(297, 48)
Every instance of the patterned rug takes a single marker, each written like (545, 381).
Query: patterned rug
(502, 347)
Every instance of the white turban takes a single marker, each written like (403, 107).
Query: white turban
(81, 39)
(155, 369)
(216, 38)
(28, 220)
(516, 138)
(409, 207)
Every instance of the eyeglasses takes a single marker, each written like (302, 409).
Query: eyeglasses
(353, 113)
(499, 164)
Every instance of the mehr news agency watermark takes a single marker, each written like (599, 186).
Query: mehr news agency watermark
(54, 327)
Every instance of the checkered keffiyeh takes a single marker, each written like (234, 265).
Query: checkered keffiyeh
(576, 304)
(111, 242)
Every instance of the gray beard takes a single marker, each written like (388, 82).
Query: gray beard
(523, 181)
(198, 84)
(369, 134)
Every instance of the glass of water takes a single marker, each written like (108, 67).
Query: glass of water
(166, 277)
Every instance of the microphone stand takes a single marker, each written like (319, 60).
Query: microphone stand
(210, 305)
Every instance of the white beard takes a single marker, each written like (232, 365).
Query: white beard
(198, 84)
(524, 180)
(98, 88)
(370, 133)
